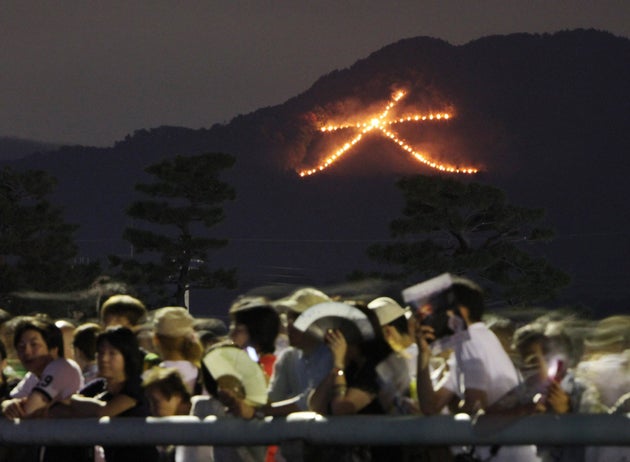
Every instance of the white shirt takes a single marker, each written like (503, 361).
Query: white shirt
(187, 370)
(394, 382)
(481, 363)
(60, 379)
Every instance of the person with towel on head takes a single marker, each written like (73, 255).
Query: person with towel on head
(397, 373)
(176, 341)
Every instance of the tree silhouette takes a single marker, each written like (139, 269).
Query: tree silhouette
(171, 249)
(470, 229)
(37, 247)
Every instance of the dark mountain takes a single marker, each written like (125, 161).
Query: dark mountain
(15, 148)
(543, 116)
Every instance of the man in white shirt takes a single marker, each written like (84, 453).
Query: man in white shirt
(50, 377)
(480, 371)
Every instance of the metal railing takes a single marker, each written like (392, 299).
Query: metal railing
(574, 429)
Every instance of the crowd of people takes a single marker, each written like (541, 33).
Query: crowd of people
(311, 351)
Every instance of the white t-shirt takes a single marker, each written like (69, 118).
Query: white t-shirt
(60, 379)
(481, 363)
(187, 370)
(394, 382)
(25, 386)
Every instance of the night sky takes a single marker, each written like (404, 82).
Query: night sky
(93, 72)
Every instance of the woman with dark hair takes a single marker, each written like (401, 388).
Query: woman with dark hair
(257, 327)
(352, 385)
(118, 394)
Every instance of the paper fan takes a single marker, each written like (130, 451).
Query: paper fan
(231, 360)
(420, 293)
(318, 319)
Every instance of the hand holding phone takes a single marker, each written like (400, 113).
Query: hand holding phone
(557, 370)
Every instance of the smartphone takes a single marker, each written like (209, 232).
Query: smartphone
(557, 370)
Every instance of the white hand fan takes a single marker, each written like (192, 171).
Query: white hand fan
(231, 360)
(352, 322)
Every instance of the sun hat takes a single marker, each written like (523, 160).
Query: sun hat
(302, 299)
(386, 310)
(173, 321)
(320, 318)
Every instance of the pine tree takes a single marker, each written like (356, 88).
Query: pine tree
(470, 229)
(171, 248)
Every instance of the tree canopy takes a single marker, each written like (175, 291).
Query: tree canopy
(37, 247)
(470, 229)
(171, 243)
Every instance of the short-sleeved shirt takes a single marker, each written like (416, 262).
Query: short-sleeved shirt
(481, 363)
(394, 381)
(296, 374)
(60, 379)
(25, 386)
(133, 389)
(188, 372)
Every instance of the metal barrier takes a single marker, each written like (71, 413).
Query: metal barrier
(574, 429)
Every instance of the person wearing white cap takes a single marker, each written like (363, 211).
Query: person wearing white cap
(397, 373)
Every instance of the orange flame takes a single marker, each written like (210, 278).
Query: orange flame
(381, 122)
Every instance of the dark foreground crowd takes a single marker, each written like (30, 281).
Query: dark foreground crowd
(310, 352)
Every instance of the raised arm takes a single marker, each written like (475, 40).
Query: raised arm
(431, 401)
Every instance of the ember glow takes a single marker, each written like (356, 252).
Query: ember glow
(383, 123)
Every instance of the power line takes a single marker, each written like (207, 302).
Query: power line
(360, 240)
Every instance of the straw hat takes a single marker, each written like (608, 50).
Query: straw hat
(173, 321)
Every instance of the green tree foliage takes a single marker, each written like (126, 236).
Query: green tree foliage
(470, 229)
(172, 246)
(37, 247)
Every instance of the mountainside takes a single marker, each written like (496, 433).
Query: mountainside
(15, 148)
(542, 116)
